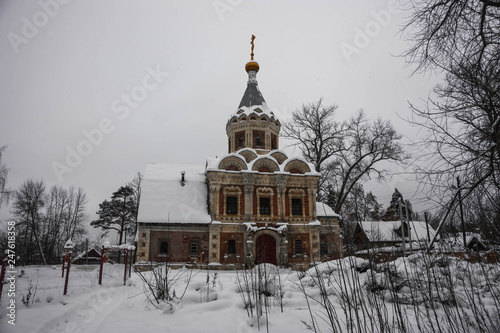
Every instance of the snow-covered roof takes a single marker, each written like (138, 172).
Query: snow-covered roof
(381, 231)
(323, 209)
(83, 255)
(456, 242)
(165, 200)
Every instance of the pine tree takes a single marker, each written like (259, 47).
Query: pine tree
(373, 208)
(393, 212)
(118, 214)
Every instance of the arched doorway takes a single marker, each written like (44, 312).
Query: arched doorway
(265, 250)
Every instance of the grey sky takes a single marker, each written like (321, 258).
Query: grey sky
(73, 71)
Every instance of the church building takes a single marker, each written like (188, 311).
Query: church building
(253, 205)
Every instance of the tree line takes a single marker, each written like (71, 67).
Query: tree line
(46, 219)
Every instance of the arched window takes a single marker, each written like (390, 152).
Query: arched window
(231, 246)
(298, 246)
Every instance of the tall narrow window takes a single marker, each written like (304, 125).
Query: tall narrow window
(231, 205)
(298, 246)
(323, 249)
(240, 139)
(296, 207)
(163, 247)
(193, 248)
(265, 206)
(231, 246)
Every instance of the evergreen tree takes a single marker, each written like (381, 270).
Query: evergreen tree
(118, 214)
(393, 212)
(373, 208)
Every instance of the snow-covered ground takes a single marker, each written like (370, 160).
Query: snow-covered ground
(411, 295)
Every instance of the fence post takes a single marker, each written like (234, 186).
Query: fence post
(125, 271)
(2, 274)
(100, 267)
(63, 264)
(68, 247)
(130, 264)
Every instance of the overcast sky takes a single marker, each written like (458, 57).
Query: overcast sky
(155, 81)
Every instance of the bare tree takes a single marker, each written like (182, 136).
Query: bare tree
(77, 214)
(48, 219)
(29, 201)
(460, 38)
(446, 34)
(345, 152)
(365, 144)
(315, 132)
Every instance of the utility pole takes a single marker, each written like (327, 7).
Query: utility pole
(461, 210)
(427, 227)
(408, 224)
(402, 225)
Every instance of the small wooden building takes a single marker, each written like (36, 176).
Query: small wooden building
(92, 257)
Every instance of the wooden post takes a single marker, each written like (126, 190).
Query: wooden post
(125, 271)
(130, 264)
(101, 264)
(63, 266)
(68, 256)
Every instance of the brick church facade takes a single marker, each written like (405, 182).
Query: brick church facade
(253, 205)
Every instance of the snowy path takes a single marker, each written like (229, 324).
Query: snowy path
(88, 312)
(118, 308)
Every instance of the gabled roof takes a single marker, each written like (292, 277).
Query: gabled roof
(456, 242)
(165, 200)
(387, 231)
(92, 254)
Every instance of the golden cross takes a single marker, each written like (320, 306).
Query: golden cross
(251, 54)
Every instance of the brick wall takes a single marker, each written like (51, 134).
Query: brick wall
(239, 242)
(179, 245)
